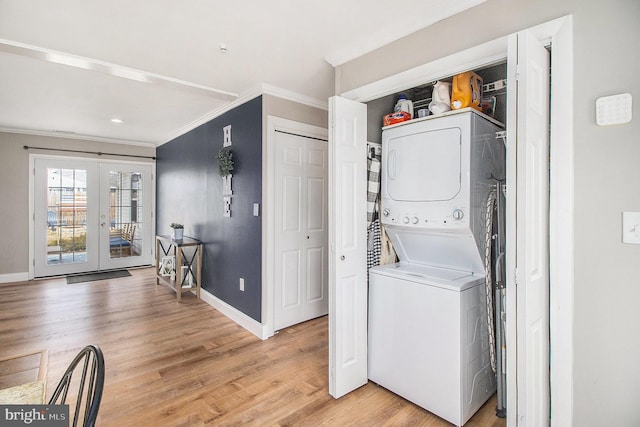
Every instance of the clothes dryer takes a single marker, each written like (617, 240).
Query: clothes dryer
(436, 175)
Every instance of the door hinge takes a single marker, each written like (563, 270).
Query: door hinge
(33, 261)
(515, 275)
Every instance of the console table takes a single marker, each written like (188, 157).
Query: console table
(179, 264)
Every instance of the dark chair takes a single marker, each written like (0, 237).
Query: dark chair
(89, 364)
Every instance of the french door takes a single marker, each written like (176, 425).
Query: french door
(90, 215)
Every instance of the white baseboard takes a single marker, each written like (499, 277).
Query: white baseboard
(251, 325)
(14, 277)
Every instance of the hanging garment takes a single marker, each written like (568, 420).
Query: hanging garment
(373, 183)
(374, 246)
(373, 222)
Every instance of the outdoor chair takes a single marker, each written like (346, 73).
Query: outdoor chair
(123, 239)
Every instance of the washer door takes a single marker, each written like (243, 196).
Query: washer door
(425, 166)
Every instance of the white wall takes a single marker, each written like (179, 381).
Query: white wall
(606, 382)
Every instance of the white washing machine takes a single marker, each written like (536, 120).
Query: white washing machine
(428, 338)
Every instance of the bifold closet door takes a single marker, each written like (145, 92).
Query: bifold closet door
(528, 398)
(347, 245)
(301, 290)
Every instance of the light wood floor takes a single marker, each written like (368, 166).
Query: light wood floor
(171, 364)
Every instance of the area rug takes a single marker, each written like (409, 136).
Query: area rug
(81, 278)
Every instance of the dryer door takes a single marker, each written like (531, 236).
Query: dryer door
(423, 167)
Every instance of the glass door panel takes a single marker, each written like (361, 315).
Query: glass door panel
(65, 242)
(66, 216)
(126, 214)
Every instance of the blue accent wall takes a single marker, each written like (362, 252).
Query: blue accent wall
(189, 191)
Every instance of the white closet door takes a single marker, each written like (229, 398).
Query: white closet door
(347, 245)
(528, 309)
(301, 290)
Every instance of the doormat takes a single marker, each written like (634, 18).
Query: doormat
(81, 278)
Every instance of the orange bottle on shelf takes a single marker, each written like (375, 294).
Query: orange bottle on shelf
(466, 91)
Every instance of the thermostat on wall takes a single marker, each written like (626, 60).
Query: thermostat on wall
(614, 109)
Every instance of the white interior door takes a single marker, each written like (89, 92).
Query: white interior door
(528, 307)
(301, 282)
(347, 246)
(65, 216)
(126, 232)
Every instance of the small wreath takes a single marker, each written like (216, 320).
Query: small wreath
(225, 162)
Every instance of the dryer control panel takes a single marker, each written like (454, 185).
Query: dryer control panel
(456, 218)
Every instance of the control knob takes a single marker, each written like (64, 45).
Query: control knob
(458, 214)
(405, 220)
(385, 212)
(414, 220)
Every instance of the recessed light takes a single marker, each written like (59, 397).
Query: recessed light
(114, 120)
(129, 73)
(71, 60)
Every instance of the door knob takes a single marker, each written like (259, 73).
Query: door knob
(103, 224)
(342, 257)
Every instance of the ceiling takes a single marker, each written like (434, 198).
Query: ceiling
(163, 67)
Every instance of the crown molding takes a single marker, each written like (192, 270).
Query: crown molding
(70, 135)
(289, 95)
(256, 91)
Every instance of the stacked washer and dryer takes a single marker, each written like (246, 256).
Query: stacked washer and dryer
(428, 329)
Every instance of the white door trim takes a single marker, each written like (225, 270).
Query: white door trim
(268, 209)
(559, 33)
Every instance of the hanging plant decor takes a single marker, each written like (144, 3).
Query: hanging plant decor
(225, 162)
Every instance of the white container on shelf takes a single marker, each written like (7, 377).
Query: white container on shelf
(404, 104)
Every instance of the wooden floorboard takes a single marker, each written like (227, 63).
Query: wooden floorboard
(172, 364)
